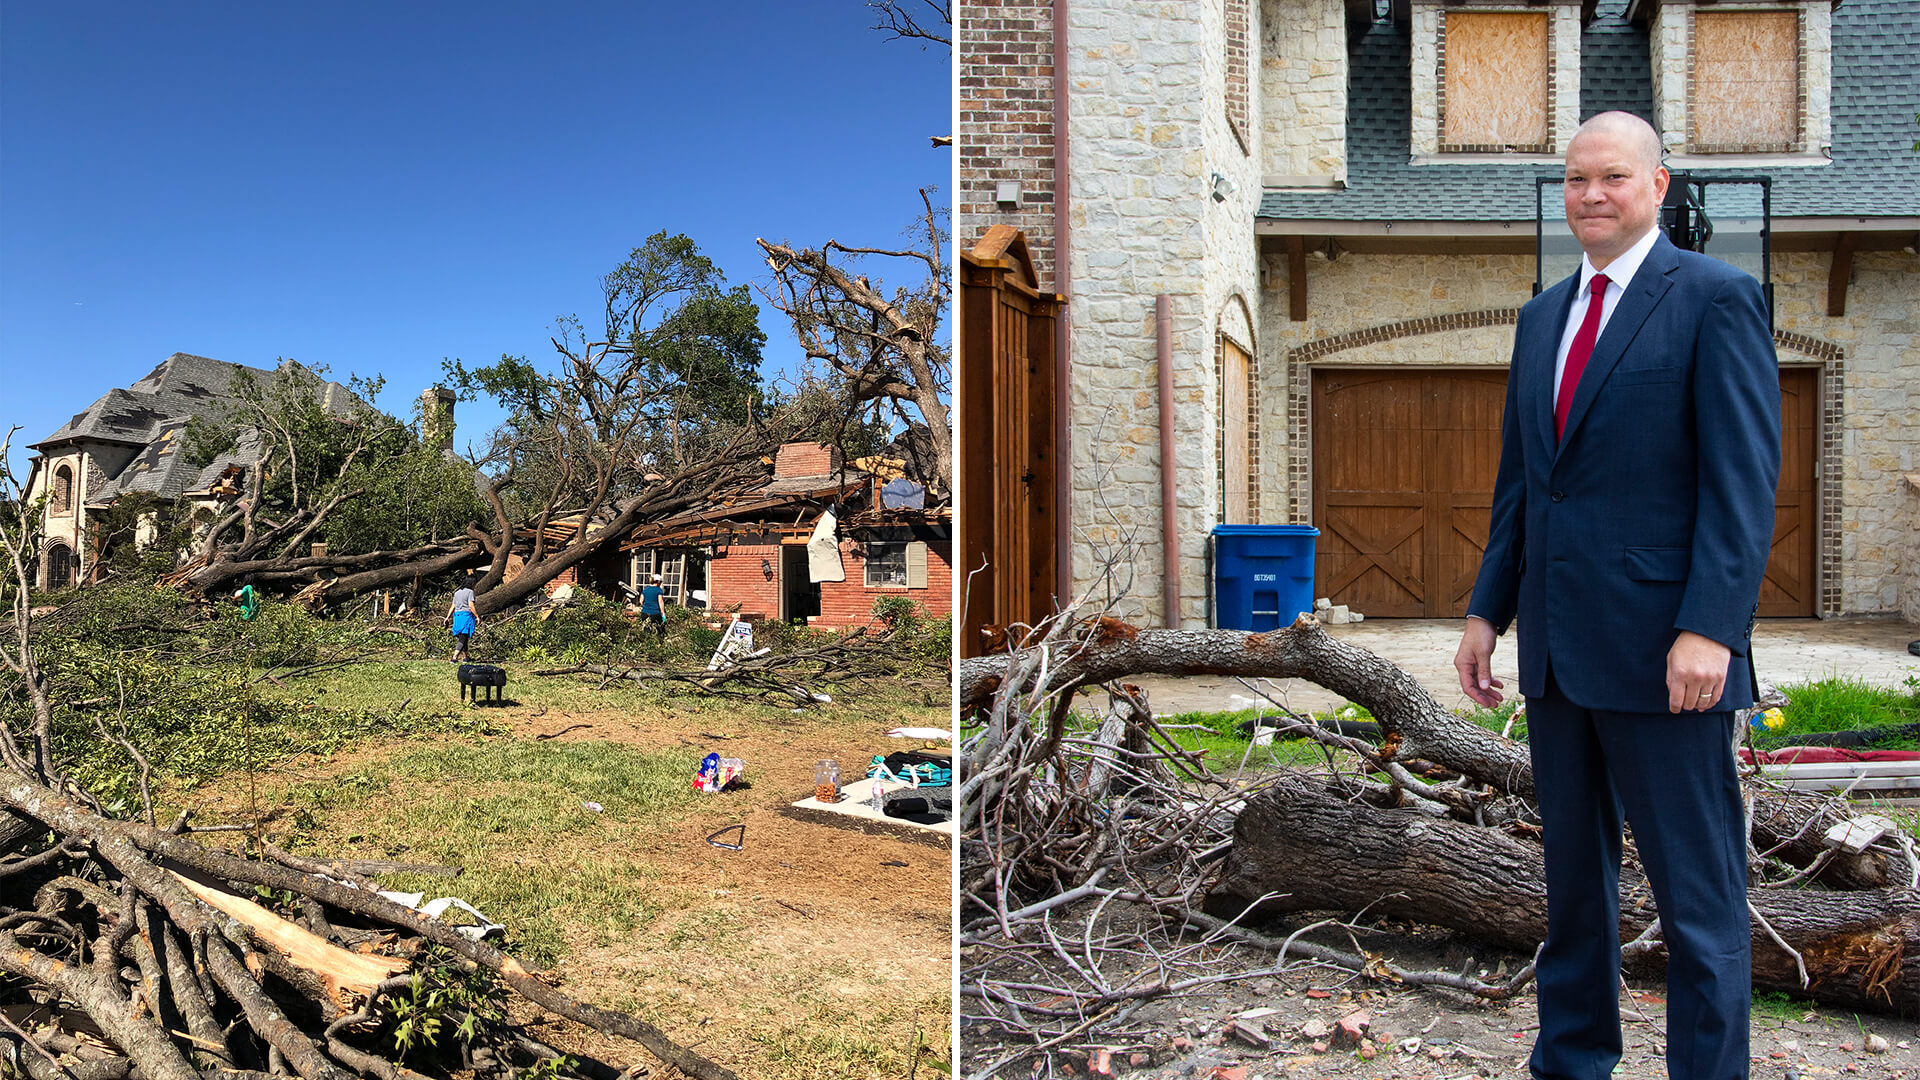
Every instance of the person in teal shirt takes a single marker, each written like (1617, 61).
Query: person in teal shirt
(249, 602)
(650, 609)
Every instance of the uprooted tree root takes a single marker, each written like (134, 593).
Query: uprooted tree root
(1103, 866)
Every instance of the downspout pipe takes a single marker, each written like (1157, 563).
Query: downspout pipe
(1169, 529)
(1062, 326)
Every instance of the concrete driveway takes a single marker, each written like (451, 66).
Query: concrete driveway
(1870, 648)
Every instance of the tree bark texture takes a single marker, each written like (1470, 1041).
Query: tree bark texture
(1321, 852)
(1414, 724)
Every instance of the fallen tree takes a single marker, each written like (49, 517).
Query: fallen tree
(1070, 829)
(793, 677)
(131, 948)
(1307, 848)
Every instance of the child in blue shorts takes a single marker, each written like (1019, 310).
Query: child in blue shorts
(461, 618)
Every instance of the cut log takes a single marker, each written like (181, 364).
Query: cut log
(1415, 725)
(1322, 852)
(337, 968)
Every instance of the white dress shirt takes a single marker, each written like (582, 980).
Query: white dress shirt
(1619, 272)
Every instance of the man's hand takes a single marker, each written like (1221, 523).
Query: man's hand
(1696, 672)
(1474, 662)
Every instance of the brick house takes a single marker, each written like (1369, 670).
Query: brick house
(132, 440)
(1301, 230)
(747, 553)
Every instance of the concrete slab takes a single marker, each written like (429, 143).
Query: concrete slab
(1870, 648)
(855, 811)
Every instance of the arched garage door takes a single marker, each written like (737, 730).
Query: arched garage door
(1403, 471)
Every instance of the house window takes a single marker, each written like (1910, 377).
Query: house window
(683, 575)
(1746, 82)
(1495, 81)
(62, 490)
(886, 566)
(896, 565)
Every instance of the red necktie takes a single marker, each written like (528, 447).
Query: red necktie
(1578, 354)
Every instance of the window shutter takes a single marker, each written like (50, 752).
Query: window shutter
(916, 565)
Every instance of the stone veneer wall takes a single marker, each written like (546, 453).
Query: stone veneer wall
(1670, 39)
(1303, 88)
(1149, 133)
(1005, 58)
(1878, 441)
(1443, 311)
(68, 527)
(1563, 70)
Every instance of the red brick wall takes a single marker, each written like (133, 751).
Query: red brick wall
(806, 459)
(738, 579)
(850, 602)
(1006, 123)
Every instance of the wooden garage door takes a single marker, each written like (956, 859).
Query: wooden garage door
(1403, 471)
(1403, 464)
(1788, 589)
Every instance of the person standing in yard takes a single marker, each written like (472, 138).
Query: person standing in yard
(650, 609)
(462, 619)
(1632, 518)
(248, 599)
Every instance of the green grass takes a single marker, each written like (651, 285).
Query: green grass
(1780, 1007)
(380, 683)
(500, 810)
(1846, 703)
(1225, 746)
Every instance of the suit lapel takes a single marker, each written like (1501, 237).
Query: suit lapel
(1544, 342)
(1650, 284)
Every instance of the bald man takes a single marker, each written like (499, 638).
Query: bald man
(1632, 517)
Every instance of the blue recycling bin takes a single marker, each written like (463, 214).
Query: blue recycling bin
(1262, 575)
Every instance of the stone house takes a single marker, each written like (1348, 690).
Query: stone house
(131, 440)
(747, 553)
(1289, 240)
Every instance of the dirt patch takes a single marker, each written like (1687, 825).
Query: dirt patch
(1437, 1034)
(811, 951)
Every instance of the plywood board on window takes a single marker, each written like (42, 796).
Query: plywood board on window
(1746, 80)
(1496, 79)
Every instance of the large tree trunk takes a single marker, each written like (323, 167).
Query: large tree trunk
(1322, 852)
(1415, 725)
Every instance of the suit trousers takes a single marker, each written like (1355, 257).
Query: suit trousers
(1675, 780)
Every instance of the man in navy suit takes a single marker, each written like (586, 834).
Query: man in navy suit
(1632, 517)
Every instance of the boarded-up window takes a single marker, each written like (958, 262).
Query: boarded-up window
(1495, 91)
(1746, 81)
(1236, 480)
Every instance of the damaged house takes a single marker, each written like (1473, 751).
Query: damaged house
(133, 440)
(818, 543)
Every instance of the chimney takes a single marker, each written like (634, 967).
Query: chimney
(806, 459)
(436, 417)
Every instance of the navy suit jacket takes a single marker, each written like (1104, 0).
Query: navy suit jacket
(1654, 514)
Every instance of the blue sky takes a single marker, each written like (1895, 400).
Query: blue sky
(376, 186)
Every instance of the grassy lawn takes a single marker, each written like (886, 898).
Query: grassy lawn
(1843, 703)
(570, 812)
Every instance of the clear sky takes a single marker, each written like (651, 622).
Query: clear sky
(376, 186)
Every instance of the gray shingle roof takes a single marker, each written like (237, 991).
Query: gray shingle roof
(1876, 92)
(153, 414)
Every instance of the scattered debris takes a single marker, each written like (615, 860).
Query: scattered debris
(739, 838)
